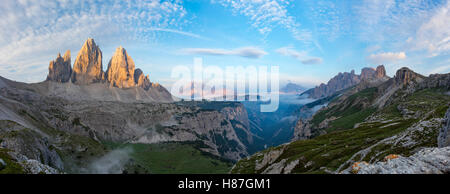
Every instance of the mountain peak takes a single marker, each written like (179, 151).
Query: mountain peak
(380, 72)
(121, 69)
(88, 64)
(405, 75)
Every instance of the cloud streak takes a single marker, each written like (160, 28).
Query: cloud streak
(387, 57)
(178, 32)
(302, 56)
(247, 52)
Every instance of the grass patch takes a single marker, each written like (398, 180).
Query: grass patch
(174, 158)
(12, 166)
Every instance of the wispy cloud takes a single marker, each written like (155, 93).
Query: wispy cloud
(178, 32)
(265, 15)
(386, 57)
(441, 69)
(417, 25)
(248, 52)
(373, 48)
(434, 34)
(302, 56)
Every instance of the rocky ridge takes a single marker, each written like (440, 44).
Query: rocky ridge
(345, 80)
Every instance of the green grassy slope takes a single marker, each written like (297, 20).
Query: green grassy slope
(173, 158)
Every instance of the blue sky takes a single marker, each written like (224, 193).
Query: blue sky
(310, 41)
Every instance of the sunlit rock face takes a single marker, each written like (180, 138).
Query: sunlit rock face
(88, 64)
(120, 71)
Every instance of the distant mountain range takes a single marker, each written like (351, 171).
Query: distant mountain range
(292, 88)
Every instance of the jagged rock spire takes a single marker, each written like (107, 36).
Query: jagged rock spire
(120, 72)
(60, 69)
(141, 80)
(88, 66)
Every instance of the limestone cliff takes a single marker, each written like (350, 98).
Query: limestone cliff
(405, 76)
(141, 80)
(60, 69)
(120, 72)
(88, 64)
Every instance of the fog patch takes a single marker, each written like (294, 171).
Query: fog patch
(295, 99)
(111, 163)
(289, 119)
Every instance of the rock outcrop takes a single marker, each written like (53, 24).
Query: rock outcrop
(88, 66)
(141, 80)
(60, 69)
(302, 130)
(404, 76)
(368, 73)
(426, 161)
(120, 71)
(380, 72)
(444, 136)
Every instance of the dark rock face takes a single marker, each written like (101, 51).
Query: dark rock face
(60, 69)
(88, 64)
(380, 72)
(339, 82)
(120, 71)
(141, 80)
(368, 73)
(444, 136)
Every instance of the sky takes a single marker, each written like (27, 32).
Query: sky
(310, 41)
